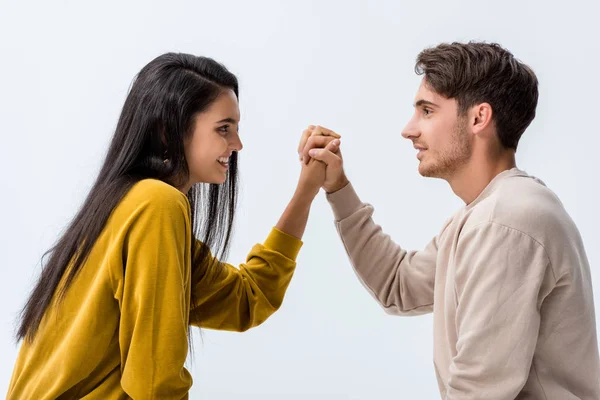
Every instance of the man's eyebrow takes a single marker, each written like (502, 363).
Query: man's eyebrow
(423, 102)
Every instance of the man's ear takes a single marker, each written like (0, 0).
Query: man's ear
(480, 117)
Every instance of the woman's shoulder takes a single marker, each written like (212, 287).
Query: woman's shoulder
(156, 189)
(154, 195)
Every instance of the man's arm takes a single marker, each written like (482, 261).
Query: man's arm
(402, 282)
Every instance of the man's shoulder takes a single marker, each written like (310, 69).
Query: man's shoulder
(525, 204)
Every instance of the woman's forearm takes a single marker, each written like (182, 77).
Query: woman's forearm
(294, 218)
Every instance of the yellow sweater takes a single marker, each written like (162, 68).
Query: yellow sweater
(121, 330)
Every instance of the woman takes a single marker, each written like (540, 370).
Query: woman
(109, 315)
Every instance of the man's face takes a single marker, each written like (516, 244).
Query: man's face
(439, 134)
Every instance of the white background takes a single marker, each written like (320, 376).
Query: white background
(65, 69)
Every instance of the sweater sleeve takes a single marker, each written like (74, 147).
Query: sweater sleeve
(401, 281)
(237, 299)
(154, 303)
(502, 277)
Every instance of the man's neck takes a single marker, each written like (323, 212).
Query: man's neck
(469, 181)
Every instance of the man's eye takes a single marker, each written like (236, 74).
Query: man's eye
(426, 111)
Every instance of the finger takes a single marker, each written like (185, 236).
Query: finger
(320, 131)
(313, 161)
(333, 146)
(326, 156)
(303, 139)
(314, 130)
(314, 142)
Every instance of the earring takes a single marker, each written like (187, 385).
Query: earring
(166, 159)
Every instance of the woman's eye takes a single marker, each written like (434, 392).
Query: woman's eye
(224, 129)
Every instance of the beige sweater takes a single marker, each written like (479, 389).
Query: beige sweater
(509, 285)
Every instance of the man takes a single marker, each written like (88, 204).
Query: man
(507, 277)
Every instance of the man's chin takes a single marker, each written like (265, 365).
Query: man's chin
(427, 171)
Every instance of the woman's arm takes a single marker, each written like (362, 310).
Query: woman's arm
(237, 299)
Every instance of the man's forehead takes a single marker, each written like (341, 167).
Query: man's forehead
(426, 93)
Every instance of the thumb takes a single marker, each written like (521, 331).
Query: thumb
(321, 154)
(333, 146)
(326, 156)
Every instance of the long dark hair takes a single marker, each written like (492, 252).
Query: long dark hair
(157, 116)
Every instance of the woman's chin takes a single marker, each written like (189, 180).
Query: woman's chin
(216, 177)
(216, 180)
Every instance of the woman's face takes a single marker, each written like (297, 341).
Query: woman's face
(214, 138)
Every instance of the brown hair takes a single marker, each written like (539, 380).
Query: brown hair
(476, 72)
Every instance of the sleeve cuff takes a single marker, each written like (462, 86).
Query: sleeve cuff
(344, 202)
(283, 243)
